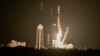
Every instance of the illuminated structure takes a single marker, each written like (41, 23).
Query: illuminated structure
(53, 35)
(39, 37)
(65, 35)
(48, 41)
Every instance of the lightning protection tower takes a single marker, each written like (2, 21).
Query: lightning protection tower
(39, 37)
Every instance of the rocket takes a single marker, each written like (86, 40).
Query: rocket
(58, 22)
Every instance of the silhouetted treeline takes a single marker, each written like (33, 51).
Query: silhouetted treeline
(26, 51)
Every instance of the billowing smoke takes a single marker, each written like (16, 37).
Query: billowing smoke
(15, 43)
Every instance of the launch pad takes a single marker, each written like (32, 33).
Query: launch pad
(54, 40)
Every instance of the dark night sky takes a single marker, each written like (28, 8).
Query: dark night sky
(19, 19)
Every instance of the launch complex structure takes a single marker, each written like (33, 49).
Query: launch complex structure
(54, 40)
